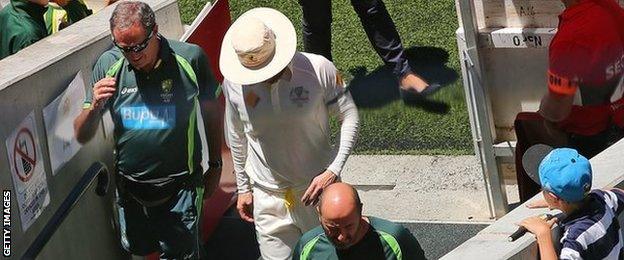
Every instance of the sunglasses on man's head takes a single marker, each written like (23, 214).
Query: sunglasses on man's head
(136, 48)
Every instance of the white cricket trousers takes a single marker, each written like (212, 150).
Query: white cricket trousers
(278, 226)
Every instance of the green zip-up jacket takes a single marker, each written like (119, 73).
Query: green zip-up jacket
(384, 240)
(23, 23)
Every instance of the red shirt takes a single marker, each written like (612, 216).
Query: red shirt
(587, 53)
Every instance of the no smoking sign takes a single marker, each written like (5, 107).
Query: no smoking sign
(27, 173)
(24, 155)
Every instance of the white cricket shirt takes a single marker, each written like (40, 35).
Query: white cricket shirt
(279, 133)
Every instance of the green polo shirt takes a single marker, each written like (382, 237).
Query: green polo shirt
(154, 113)
(384, 240)
(22, 25)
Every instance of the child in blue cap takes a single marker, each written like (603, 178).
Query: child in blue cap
(591, 227)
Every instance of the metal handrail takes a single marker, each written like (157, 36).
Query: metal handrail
(98, 170)
(480, 109)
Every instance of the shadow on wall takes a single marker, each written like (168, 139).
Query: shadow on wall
(233, 239)
(380, 87)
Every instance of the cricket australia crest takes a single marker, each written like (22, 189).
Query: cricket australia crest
(299, 95)
(166, 87)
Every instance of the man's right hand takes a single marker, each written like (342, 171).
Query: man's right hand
(244, 205)
(102, 91)
(86, 124)
(539, 226)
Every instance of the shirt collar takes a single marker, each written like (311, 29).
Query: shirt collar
(286, 76)
(582, 212)
(33, 10)
(574, 10)
(164, 53)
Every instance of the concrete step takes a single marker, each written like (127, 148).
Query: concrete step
(438, 238)
(419, 188)
(440, 199)
(235, 239)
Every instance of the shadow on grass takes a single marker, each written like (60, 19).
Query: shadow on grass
(430, 63)
(380, 87)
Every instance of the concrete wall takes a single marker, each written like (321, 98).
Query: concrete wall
(31, 79)
(491, 243)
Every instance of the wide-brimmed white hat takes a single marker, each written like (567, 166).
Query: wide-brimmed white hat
(258, 45)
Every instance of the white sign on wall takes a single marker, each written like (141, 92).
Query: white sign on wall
(523, 37)
(27, 171)
(59, 118)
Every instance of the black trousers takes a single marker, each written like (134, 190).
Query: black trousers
(379, 27)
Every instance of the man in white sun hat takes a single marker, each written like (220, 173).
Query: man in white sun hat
(278, 104)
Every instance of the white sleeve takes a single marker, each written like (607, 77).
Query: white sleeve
(340, 102)
(237, 140)
(570, 250)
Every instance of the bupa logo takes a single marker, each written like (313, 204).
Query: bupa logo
(129, 90)
(144, 117)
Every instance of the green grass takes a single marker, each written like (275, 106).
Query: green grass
(389, 127)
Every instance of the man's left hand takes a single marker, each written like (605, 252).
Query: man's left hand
(316, 187)
(211, 181)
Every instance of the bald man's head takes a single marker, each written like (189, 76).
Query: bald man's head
(340, 212)
(339, 198)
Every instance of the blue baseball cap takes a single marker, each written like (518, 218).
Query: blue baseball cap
(566, 173)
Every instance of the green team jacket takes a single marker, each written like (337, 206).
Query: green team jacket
(23, 23)
(396, 243)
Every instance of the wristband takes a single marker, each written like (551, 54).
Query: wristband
(215, 164)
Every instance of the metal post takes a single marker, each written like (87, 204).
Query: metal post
(480, 108)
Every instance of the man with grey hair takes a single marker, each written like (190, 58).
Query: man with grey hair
(153, 88)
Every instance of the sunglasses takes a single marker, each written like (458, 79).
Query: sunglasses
(136, 48)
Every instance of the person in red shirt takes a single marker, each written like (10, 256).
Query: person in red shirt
(583, 108)
(586, 61)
